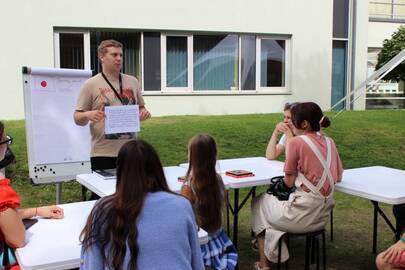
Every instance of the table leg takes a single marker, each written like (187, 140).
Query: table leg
(382, 214)
(84, 192)
(375, 227)
(252, 234)
(58, 193)
(235, 217)
(227, 213)
(377, 210)
(331, 225)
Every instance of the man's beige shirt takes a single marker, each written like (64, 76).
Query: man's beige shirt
(95, 95)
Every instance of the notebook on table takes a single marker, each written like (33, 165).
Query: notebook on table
(239, 173)
(106, 174)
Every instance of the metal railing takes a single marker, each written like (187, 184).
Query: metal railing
(374, 78)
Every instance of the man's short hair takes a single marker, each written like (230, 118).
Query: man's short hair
(102, 48)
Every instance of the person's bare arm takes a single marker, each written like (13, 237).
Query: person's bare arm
(82, 118)
(51, 211)
(12, 228)
(289, 179)
(187, 192)
(274, 150)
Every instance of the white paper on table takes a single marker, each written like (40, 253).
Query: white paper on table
(121, 119)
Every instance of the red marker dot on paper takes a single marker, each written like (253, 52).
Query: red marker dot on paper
(43, 83)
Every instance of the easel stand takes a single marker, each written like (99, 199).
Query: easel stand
(58, 193)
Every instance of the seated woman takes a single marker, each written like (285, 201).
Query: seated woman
(205, 190)
(313, 165)
(275, 149)
(143, 225)
(393, 257)
(12, 231)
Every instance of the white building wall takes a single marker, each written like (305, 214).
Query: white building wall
(27, 40)
(359, 75)
(378, 31)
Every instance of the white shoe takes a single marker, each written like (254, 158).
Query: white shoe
(256, 266)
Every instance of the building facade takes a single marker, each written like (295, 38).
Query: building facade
(205, 58)
(385, 17)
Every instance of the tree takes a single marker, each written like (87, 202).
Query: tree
(391, 47)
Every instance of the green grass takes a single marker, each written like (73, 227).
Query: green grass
(363, 138)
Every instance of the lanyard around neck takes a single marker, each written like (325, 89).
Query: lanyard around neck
(112, 87)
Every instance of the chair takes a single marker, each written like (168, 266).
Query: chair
(311, 247)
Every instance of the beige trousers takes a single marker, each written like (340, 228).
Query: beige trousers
(303, 212)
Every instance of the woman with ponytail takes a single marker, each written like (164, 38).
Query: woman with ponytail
(313, 166)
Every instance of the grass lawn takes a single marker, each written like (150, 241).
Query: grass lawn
(363, 139)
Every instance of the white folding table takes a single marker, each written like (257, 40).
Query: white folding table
(378, 184)
(107, 187)
(54, 243)
(263, 170)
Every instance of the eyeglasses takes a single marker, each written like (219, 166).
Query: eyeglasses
(8, 140)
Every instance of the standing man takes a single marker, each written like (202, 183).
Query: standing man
(108, 88)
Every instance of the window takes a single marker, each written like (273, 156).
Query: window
(248, 62)
(340, 51)
(215, 62)
(387, 9)
(177, 63)
(340, 18)
(223, 63)
(338, 73)
(272, 62)
(71, 51)
(131, 51)
(151, 61)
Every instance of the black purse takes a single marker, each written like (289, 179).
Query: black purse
(8, 257)
(8, 158)
(279, 189)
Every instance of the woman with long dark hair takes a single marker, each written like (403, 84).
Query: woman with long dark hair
(143, 225)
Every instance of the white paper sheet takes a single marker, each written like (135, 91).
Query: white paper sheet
(121, 119)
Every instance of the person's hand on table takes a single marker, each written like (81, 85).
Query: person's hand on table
(51, 211)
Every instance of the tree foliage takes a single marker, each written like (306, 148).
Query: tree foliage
(391, 47)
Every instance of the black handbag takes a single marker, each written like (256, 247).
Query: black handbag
(279, 189)
(7, 256)
(8, 158)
